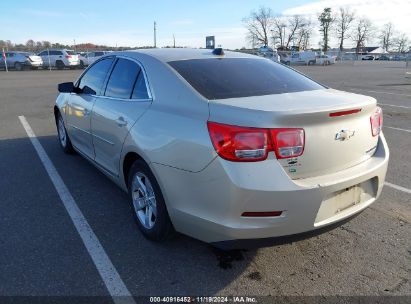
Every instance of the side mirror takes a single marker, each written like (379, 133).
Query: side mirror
(66, 87)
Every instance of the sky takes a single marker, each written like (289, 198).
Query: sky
(130, 23)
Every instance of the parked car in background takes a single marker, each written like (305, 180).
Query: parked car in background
(269, 53)
(89, 57)
(21, 60)
(306, 57)
(60, 58)
(325, 59)
(368, 57)
(225, 147)
(384, 58)
(398, 58)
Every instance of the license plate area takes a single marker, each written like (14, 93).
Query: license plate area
(339, 202)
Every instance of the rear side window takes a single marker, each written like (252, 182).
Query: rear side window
(140, 89)
(94, 77)
(122, 79)
(221, 78)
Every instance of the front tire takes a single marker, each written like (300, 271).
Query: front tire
(150, 211)
(64, 140)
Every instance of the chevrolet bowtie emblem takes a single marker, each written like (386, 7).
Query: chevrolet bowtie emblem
(344, 135)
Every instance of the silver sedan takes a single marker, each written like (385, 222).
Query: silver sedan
(223, 146)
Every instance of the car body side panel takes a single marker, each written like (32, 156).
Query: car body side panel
(173, 132)
(110, 123)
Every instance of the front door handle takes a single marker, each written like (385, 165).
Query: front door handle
(121, 122)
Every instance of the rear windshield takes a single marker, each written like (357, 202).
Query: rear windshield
(221, 78)
(71, 53)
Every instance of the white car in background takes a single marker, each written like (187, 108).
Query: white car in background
(89, 57)
(324, 60)
(306, 57)
(269, 53)
(59, 58)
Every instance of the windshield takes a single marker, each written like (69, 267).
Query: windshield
(222, 78)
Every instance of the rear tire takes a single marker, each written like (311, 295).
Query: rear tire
(63, 137)
(149, 208)
(18, 66)
(60, 65)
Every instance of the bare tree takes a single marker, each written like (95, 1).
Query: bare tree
(295, 23)
(326, 20)
(30, 44)
(304, 33)
(387, 36)
(278, 31)
(46, 44)
(259, 24)
(362, 32)
(344, 21)
(400, 43)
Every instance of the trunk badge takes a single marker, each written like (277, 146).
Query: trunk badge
(344, 135)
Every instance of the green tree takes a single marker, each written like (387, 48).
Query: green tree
(326, 20)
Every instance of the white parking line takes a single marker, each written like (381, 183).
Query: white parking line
(106, 269)
(398, 129)
(391, 105)
(403, 189)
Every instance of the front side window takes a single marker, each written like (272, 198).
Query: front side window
(92, 81)
(221, 78)
(122, 79)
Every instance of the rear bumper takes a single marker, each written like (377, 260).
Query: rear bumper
(73, 63)
(208, 205)
(34, 64)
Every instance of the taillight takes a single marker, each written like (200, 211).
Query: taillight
(239, 143)
(288, 142)
(236, 143)
(376, 121)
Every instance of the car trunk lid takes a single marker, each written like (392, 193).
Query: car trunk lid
(336, 126)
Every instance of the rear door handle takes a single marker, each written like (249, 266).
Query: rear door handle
(121, 122)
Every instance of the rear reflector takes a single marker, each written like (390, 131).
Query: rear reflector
(342, 113)
(262, 214)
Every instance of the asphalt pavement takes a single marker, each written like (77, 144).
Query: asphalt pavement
(42, 253)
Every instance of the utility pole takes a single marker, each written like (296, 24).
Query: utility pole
(174, 39)
(74, 45)
(155, 34)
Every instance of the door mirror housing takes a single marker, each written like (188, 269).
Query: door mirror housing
(66, 87)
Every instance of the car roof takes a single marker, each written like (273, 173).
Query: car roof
(171, 54)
